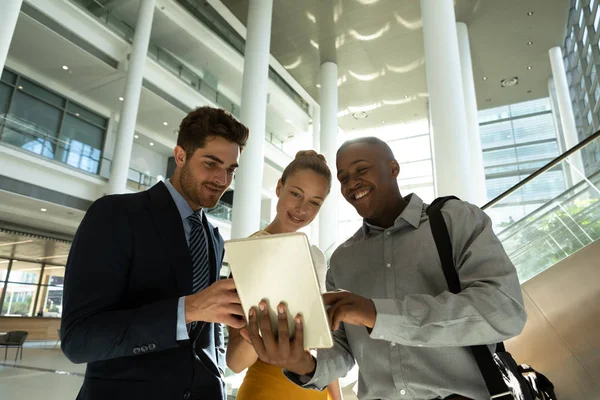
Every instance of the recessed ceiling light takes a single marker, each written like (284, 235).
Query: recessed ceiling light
(529, 43)
(165, 123)
(360, 115)
(383, 122)
(135, 136)
(65, 67)
(318, 85)
(43, 210)
(530, 13)
(508, 82)
(77, 114)
(529, 67)
(151, 144)
(20, 87)
(484, 78)
(121, 99)
(406, 96)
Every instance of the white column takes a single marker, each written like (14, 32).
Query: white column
(479, 190)
(9, 14)
(446, 98)
(253, 113)
(316, 131)
(328, 220)
(560, 139)
(133, 89)
(565, 108)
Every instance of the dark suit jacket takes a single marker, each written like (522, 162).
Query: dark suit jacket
(128, 266)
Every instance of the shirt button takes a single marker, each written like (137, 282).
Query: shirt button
(152, 346)
(136, 350)
(389, 265)
(403, 392)
(144, 349)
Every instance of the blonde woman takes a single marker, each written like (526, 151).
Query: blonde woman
(301, 191)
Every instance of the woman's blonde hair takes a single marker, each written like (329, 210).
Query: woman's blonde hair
(308, 159)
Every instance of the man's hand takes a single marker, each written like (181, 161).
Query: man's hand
(349, 308)
(281, 352)
(217, 303)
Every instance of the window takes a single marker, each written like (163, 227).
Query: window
(31, 289)
(42, 122)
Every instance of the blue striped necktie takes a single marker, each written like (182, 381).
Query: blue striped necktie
(199, 253)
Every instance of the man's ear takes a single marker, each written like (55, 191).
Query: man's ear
(180, 156)
(395, 168)
(278, 188)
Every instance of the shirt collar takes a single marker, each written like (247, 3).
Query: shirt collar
(182, 206)
(412, 214)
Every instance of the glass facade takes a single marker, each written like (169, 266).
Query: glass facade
(29, 289)
(40, 121)
(517, 140)
(581, 51)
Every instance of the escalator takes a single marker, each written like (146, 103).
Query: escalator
(556, 250)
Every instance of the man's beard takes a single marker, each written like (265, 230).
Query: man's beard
(192, 190)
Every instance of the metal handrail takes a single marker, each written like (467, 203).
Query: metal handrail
(540, 171)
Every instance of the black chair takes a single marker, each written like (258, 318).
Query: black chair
(13, 339)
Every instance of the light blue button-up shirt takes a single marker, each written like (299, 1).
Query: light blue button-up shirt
(185, 211)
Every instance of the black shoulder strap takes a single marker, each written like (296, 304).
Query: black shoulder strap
(489, 370)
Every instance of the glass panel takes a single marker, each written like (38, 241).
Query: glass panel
(8, 77)
(36, 90)
(80, 144)
(49, 303)
(530, 107)
(496, 135)
(3, 271)
(25, 272)
(18, 301)
(32, 125)
(87, 115)
(53, 275)
(551, 217)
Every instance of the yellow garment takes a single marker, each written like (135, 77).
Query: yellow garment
(267, 382)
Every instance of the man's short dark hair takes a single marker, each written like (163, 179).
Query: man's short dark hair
(203, 122)
(371, 141)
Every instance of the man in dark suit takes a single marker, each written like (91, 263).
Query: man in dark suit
(142, 300)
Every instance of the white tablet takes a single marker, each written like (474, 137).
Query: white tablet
(279, 268)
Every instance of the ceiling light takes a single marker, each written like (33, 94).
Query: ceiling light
(485, 78)
(46, 258)
(383, 122)
(151, 144)
(529, 43)
(20, 87)
(11, 243)
(65, 67)
(318, 85)
(43, 210)
(121, 99)
(508, 82)
(135, 136)
(406, 96)
(529, 67)
(530, 13)
(360, 115)
(165, 123)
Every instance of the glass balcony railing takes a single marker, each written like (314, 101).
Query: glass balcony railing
(562, 225)
(20, 134)
(174, 66)
(206, 14)
(170, 63)
(159, 55)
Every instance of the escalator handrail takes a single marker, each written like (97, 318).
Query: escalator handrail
(540, 171)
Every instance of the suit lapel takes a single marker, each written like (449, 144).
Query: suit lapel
(168, 222)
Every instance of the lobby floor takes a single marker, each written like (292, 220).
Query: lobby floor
(46, 374)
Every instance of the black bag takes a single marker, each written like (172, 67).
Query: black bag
(504, 378)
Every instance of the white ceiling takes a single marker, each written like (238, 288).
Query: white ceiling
(378, 46)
